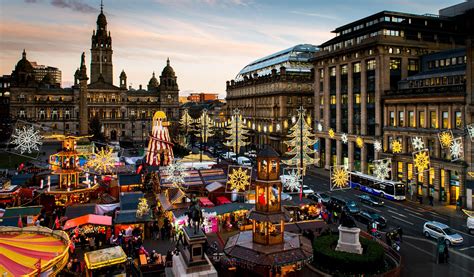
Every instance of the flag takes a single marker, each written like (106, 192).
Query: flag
(38, 266)
(20, 222)
(301, 192)
(56, 223)
(139, 169)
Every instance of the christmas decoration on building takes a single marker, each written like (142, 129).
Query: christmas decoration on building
(445, 138)
(238, 178)
(396, 146)
(457, 149)
(382, 168)
(344, 138)
(236, 132)
(359, 142)
(176, 173)
(142, 209)
(470, 131)
(331, 133)
(301, 144)
(160, 144)
(417, 143)
(102, 161)
(421, 161)
(340, 177)
(377, 145)
(319, 127)
(27, 139)
(293, 178)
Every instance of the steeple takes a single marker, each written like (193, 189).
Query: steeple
(101, 50)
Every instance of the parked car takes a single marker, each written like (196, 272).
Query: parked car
(437, 230)
(368, 216)
(244, 161)
(336, 204)
(371, 200)
(470, 225)
(319, 197)
(352, 207)
(307, 190)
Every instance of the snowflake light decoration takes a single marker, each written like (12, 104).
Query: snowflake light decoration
(344, 138)
(421, 161)
(417, 143)
(26, 139)
(457, 149)
(359, 142)
(331, 133)
(396, 146)
(378, 145)
(319, 127)
(445, 139)
(103, 161)
(339, 177)
(176, 173)
(470, 131)
(382, 168)
(293, 179)
(239, 178)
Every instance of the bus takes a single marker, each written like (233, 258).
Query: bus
(388, 189)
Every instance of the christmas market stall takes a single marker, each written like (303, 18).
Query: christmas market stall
(134, 213)
(129, 182)
(106, 262)
(227, 217)
(32, 251)
(90, 224)
(8, 192)
(20, 216)
(215, 190)
(302, 209)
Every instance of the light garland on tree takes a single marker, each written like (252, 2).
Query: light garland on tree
(204, 122)
(340, 177)
(396, 146)
(300, 143)
(293, 179)
(102, 162)
(457, 149)
(142, 209)
(382, 168)
(445, 138)
(239, 178)
(421, 161)
(26, 139)
(417, 143)
(236, 132)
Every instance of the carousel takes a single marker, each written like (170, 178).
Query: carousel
(160, 147)
(32, 251)
(66, 165)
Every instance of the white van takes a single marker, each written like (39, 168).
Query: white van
(244, 161)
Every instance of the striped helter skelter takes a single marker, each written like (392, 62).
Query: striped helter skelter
(159, 144)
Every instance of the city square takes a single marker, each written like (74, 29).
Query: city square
(271, 138)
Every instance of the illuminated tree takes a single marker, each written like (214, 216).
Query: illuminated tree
(186, 123)
(301, 143)
(236, 132)
(204, 123)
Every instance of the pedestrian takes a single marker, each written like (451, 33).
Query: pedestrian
(446, 253)
(163, 231)
(420, 198)
(400, 233)
(431, 200)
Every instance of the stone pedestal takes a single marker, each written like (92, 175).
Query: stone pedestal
(349, 240)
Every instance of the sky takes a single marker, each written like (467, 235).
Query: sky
(208, 41)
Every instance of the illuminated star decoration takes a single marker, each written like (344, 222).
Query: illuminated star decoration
(344, 138)
(239, 178)
(175, 174)
(102, 162)
(445, 139)
(339, 177)
(382, 168)
(359, 142)
(417, 143)
(457, 149)
(377, 145)
(396, 146)
(331, 133)
(27, 139)
(294, 179)
(421, 161)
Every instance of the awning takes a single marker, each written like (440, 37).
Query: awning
(205, 202)
(88, 219)
(222, 200)
(214, 186)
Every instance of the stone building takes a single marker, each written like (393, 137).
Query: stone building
(354, 70)
(124, 113)
(268, 92)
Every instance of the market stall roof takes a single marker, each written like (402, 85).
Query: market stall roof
(129, 200)
(78, 210)
(214, 186)
(129, 179)
(210, 176)
(105, 257)
(171, 200)
(130, 216)
(88, 219)
(296, 202)
(196, 157)
(228, 208)
(11, 215)
(221, 200)
(205, 202)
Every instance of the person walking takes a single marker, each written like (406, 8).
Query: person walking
(431, 200)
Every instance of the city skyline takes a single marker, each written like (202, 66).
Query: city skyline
(207, 41)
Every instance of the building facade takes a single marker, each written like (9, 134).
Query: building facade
(269, 91)
(42, 70)
(124, 112)
(354, 70)
(202, 97)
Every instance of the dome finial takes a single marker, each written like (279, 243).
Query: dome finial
(153, 73)
(168, 61)
(24, 54)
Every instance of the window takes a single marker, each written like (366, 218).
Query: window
(333, 99)
(392, 118)
(401, 119)
(421, 119)
(411, 119)
(344, 69)
(409, 172)
(446, 124)
(412, 65)
(395, 64)
(458, 118)
(371, 65)
(321, 73)
(433, 120)
(356, 67)
(357, 98)
(332, 71)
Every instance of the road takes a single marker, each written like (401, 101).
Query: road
(417, 251)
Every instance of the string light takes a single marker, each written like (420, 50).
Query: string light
(236, 132)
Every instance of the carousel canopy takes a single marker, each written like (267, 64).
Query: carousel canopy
(11, 215)
(105, 257)
(88, 219)
(22, 248)
(79, 210)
